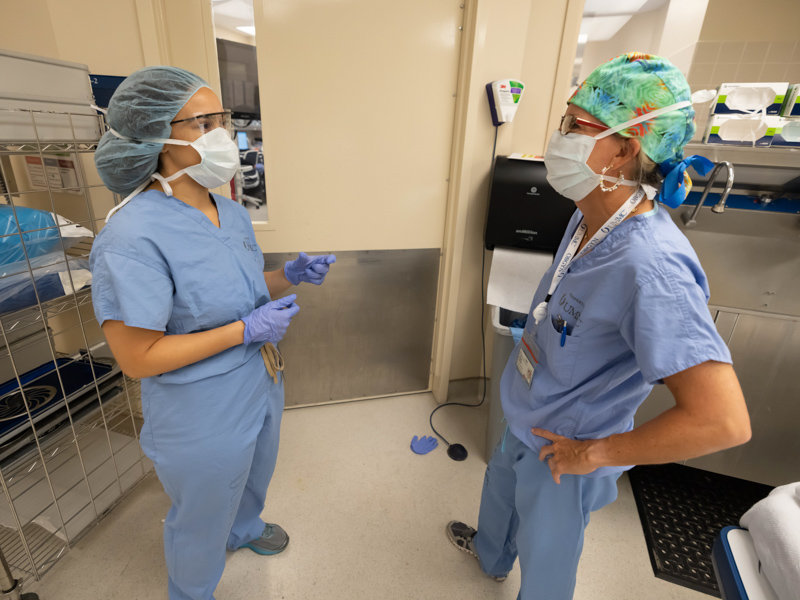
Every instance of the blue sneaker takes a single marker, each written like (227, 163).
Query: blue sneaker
(273, 540)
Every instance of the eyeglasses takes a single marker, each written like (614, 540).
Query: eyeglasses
(568, 123)
(207, 122)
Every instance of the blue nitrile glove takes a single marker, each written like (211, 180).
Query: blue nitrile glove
(311, 269)
(425, 445)
(268, 323)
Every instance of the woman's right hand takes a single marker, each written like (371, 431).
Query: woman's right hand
(268, 323)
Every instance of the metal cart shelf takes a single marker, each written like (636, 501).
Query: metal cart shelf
(71, 451)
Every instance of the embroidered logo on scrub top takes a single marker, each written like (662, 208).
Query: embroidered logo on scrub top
(572, 306)
(248, 245)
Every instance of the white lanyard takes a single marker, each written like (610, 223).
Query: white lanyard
(540, 312)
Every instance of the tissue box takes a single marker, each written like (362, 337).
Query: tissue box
(791, 106)
(741, 130)
(787, 133)
(738, 98)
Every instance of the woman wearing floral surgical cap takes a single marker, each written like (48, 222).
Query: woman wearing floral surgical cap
(622, 309)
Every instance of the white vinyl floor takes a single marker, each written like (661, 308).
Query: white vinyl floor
(366, 518)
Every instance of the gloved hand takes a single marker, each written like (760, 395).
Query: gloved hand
(311, 269)
(424, 445)
(268, 323)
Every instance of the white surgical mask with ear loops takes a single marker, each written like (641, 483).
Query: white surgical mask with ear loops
(566, 155)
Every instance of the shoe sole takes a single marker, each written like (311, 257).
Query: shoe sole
(468, 551)
(263, 552)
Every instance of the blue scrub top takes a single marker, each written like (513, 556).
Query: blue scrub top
(636, 312)
(161, 264)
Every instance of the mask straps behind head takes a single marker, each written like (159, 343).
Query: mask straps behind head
(698, 97)
(155, 176)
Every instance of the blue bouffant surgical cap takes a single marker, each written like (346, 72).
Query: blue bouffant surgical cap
(142, 107)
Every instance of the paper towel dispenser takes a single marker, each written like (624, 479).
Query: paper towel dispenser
(524, 211)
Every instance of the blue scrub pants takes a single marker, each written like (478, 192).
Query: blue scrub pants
(214, 444)
(524, 512)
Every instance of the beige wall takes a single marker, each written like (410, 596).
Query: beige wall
(357, 101)
(517, 38)
(777, 20)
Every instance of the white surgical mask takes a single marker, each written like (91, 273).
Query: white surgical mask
(567, 170)
(219, 161)
(566, 156)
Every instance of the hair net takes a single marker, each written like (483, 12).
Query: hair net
(142, 107)
(633, 84)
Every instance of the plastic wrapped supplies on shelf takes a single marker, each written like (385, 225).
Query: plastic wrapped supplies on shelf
(36, 237)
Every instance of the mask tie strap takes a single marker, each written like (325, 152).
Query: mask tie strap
(127, 199)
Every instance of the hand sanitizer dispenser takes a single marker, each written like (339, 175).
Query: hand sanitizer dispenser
(504, 97)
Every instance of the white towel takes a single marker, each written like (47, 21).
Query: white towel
(774, 524)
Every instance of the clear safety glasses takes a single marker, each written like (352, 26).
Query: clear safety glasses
(204, 123)
(569, 122)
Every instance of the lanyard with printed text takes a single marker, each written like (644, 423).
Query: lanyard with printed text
(540, 312)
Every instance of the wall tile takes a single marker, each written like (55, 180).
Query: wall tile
(780, 52)
(731, 52)
(755, 52)
(707, 52)
(700, 75)
(773, 72)
(724, 73)
(792, 74)
(748, 72)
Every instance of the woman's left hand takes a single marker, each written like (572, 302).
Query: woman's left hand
(566, 456)
(308, 269)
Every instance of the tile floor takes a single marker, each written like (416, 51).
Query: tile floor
(366, 517)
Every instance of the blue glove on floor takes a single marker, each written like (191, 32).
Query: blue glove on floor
(268, 323)
(311, 269)
(425, 445)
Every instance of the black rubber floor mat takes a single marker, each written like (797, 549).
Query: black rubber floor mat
(682, 510)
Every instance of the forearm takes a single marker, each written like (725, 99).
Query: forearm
(277, 283)
(171, 352)
(673, 436)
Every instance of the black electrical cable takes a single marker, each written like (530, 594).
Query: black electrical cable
(457, 451)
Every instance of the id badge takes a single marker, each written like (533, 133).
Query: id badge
(527, 358)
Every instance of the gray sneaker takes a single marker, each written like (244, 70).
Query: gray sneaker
(272, 541)
(461, 536)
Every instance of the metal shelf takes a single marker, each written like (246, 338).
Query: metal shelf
(26, 316)
(55, 147)
(740, 155)
(72, 466)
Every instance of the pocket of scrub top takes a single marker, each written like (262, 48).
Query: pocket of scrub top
(560, 360)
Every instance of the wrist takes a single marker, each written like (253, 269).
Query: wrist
(238, 330)
(293, 278)
(599, 453)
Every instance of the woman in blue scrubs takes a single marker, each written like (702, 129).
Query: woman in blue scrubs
(623, 308)
(180, 291)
